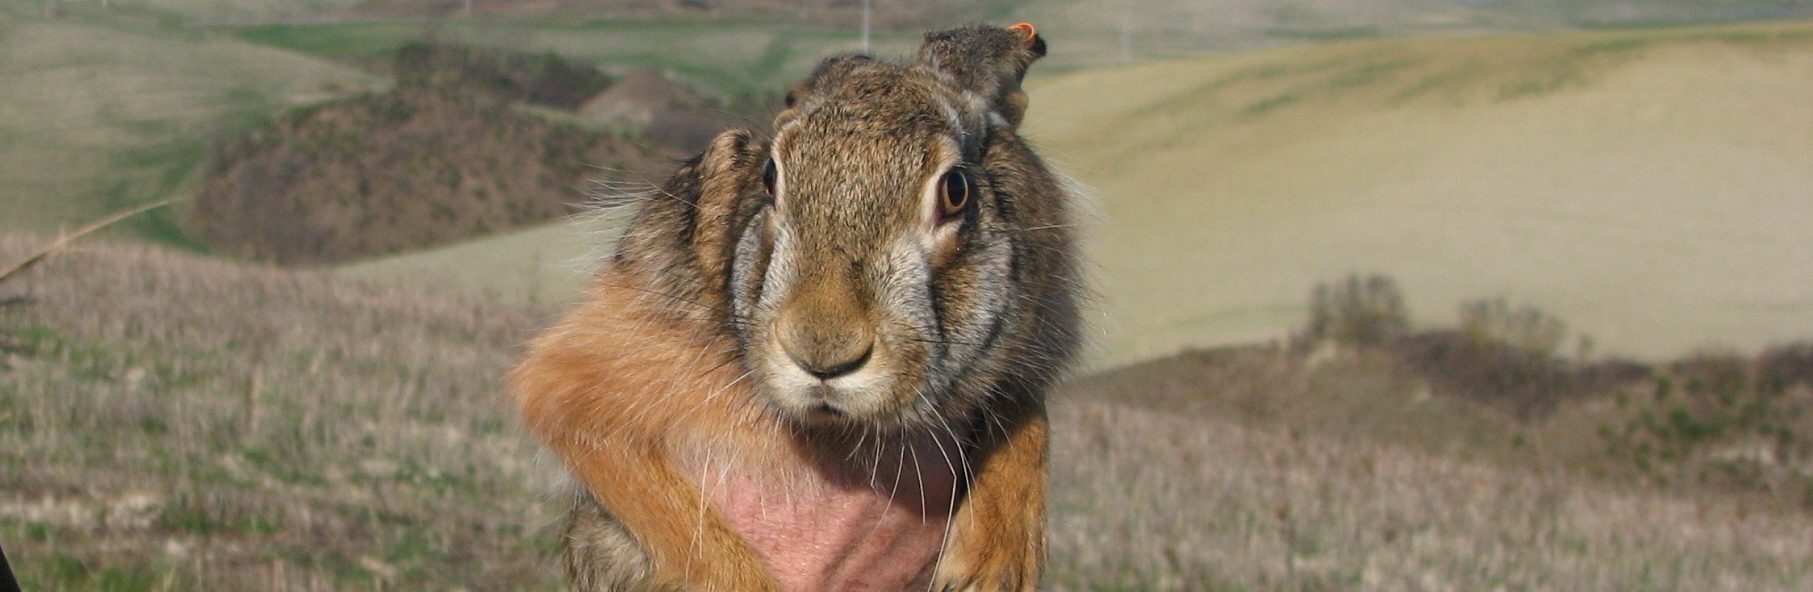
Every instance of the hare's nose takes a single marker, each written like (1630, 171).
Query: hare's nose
(825, 352)
(824, 347)
(835, 364)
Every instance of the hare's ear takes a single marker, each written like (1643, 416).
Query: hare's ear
(989, 61)
(729, 170)
(684, 230)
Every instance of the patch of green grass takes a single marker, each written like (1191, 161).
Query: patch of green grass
(1448, 78)
(168, 168)
(63, 571)
(350, 42)
(1326, 35)
(37, 532)
(283, 469)
(1273, 102)
(1371, 73)
(1541, 83)
(1613, 46)
(195, 520)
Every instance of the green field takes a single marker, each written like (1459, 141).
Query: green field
(1094, 33)
(1647, 187)
(98, 114)
(744, 58)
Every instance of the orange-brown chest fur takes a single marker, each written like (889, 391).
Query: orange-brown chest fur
(621, 374)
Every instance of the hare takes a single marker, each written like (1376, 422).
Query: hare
(819, 362)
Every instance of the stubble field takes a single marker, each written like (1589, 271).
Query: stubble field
(171, 423)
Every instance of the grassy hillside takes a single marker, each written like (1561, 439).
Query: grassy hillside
(96, 114)
(1645, 186)
(202, 425)
(253, 10)
(1096, 33)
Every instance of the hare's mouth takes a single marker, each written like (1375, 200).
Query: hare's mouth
(868, 397)
(827, 411)
(825, 403)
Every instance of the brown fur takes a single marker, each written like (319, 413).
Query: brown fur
(680, 357)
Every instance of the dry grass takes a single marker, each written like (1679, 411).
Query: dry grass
(1147, 500)
(174, 423)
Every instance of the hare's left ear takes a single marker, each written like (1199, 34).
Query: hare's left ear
(988, 61)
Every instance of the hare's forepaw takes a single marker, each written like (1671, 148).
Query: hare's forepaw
(973, 568)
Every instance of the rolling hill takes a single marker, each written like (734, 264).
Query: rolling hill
(1096, 33)
(1645, 186)
(459, 148)
(727, 59)
(1648, 187)
(96, 115)
(549, 263)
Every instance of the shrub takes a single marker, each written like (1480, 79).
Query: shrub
(1358, 311)
(1529, 383)
(1494, 323)
(1781, 367)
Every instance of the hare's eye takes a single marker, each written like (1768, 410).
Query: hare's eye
(956, 193)
(768, 176)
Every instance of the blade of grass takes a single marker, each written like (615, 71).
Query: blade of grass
(64, 240)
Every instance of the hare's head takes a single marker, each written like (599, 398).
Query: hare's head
(904, 250)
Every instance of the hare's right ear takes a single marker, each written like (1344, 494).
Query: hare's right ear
(684, 231)
(989, 61)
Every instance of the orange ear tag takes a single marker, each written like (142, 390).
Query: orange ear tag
(1027, 30)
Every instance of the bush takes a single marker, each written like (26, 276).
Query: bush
(1529, 383)
(1508, 355)
(1494, 323)
(1358, 311)
(1785, 366)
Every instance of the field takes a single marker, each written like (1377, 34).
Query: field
(1095, 33)
(176, 421)
(201, 424)
(748, 58)
(546, 264)
(97, 115)
(1591, 174)
(1151, 500)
